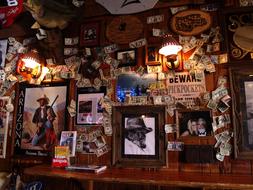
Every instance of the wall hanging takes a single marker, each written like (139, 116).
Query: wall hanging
(127, 6)
(124, 29)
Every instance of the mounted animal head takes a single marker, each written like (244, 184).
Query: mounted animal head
(51, 13)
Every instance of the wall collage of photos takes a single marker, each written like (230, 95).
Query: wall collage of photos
(113, 96)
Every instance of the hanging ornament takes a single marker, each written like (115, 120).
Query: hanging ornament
(127, 6)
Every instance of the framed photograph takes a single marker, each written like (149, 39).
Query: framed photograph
(126, 57)
(68, 138)
(4, 118)
(89, 110)
(90, 33)
(134, 84)
(152, 56)
(3, 49)
(194, 122)
(40, 117)
(238, 30)
(241, 82)
(138, 136)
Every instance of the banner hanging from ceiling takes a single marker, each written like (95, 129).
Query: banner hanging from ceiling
(127, 6)
(9, 10)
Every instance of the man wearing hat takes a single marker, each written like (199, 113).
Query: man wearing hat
(40, 117)
(135, 136)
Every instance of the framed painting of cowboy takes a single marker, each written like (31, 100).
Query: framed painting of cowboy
(40, 118)
(139, 138)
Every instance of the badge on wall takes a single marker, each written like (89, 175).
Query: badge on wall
(191, 22)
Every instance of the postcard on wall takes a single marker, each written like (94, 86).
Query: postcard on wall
(89, 110)
(68, 138)
(4, 117)
(3, 48)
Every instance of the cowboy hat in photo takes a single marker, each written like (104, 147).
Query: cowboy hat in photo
(43, 97)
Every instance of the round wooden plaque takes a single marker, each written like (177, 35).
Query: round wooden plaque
(191, 22)
(124, 29)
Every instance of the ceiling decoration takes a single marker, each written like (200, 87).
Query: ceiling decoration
(124, 29)
(9, 10)
(127, 6)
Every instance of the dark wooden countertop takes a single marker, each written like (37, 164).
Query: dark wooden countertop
(162, 178)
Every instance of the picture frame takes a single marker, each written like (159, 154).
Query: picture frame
(90, 34)
(241, 82)
(88, 109)
(138, 136)
(152, 56)
(236, 29)
(194, 122)
(126, 57)
(40, 117)
(4, 124)
(133, 82)
(68, 138)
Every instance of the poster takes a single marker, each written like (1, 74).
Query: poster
(4, 117)
(185, 87)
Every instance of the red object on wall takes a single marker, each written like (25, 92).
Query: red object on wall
(9, 10)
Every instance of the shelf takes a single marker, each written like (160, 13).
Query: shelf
(138, 176)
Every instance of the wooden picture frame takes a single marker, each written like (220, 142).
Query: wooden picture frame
(138, 136)
(152, 56)
(237, 32)
(194, 122)
(38, 128)
(4, 124)
(90, 34)
(241, 82)
(126, 57)
(88, 108)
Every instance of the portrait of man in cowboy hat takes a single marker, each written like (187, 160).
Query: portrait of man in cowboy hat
(41, 118)
(139, 139)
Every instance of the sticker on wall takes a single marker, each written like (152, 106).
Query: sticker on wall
(191, 22)
(127, 6)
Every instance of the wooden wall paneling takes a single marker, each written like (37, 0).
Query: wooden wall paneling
(173, 161)
(210, 167)
(186, 167)
(241, 167)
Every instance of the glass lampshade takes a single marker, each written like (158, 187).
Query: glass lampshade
(170, 46)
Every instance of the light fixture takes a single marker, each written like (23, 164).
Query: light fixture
(170, 48)
(30, 65)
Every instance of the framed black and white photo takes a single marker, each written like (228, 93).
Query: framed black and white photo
(194, 122)
(89, 110)
(126, 57)
(4, 121)
(139, 138)
(40, 117)
(241, 82)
